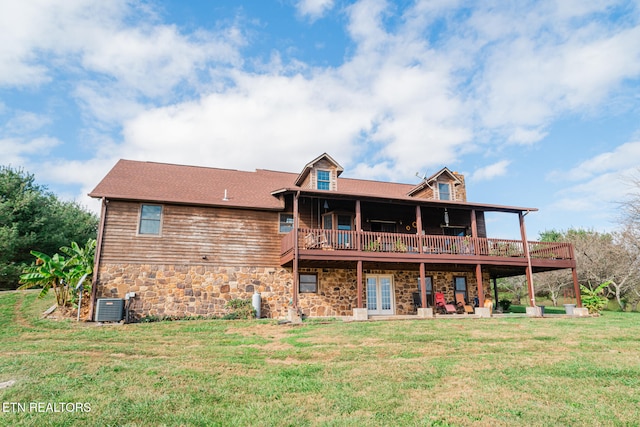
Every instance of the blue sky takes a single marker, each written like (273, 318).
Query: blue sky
(537, 103)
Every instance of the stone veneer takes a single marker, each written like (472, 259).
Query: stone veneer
(194, 290)
(197, 290)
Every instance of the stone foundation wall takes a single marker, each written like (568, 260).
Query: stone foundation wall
(175, 290)
(337, 290)
(196, 290)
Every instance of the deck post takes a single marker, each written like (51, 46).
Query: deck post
(423, 287)
(495, 291)
(419, 229)
(358, 226)
(576, 287)
(474, 232)
(479, 282)
(529, 271)
(296, 224)
(359, 284)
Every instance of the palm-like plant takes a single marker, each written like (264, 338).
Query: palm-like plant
(58, 272)
(47, 272)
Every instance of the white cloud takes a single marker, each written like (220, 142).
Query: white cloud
(314, 9)
(539, 62)
(623, 157)
(525, 136)
(491, 171)
(23, 122)
(414, 91)
(16, 151)
(601, 184)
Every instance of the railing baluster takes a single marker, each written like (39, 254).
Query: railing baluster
(310, 239)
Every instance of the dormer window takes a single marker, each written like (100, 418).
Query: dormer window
(445, 191)
(324, 180)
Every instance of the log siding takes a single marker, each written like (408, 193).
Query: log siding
(192, 235)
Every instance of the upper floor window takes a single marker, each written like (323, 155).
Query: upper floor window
(150, 217)
(324, 180)
(445, 191)
(286, 222)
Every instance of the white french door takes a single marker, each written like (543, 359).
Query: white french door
(380, 298)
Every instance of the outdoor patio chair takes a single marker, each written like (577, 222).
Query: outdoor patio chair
(441, 304)
(462, 305)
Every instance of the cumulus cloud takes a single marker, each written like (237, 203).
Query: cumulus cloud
(623, 157)
(314, 9)
(419, 86)
(490, 171)
(16, 151)
(598, 181)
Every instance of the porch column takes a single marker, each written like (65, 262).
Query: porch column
(479, 282)
(474, 232)
(423, 287)
(296, 223)
(419, 231)
(529, 271)
(359, 284)
(495, 291)
(576, 287)
(358, 226)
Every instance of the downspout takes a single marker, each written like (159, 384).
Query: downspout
(96, 260)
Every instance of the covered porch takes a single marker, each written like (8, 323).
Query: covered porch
(365, 234)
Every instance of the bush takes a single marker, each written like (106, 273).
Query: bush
(592, 299)
(505, 304)
(240, 309)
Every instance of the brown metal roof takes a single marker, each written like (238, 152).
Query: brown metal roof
(169, 183)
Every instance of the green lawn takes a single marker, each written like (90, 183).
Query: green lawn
(500, 371)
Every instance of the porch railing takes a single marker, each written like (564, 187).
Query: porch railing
(366, 241)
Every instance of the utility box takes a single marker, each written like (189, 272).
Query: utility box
(110, 310)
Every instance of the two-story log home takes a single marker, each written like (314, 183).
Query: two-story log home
(188, 239)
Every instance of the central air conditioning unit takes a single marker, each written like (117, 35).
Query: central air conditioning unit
(110, 310)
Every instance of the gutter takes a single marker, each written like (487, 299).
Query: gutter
(96, 260)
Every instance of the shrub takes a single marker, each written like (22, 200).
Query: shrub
(240, 309)
(592, 299)
(505, 304)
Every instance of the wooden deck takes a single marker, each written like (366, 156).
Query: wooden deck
(337, 245)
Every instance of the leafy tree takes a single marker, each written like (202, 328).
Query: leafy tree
(32, 218)
(609, 258)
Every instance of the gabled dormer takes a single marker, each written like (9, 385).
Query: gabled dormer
(320, 174)
(443, 185)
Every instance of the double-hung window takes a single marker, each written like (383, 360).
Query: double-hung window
(150, 219)
(308, 283)
(324, 180)
(286, 222)
(445, 191)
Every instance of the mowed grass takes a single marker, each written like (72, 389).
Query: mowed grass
(499, 371)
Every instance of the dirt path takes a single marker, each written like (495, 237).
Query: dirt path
(17, 308)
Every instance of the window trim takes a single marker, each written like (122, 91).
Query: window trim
(328, 180)
(140, 219)
(281, 223)
(315, 291)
